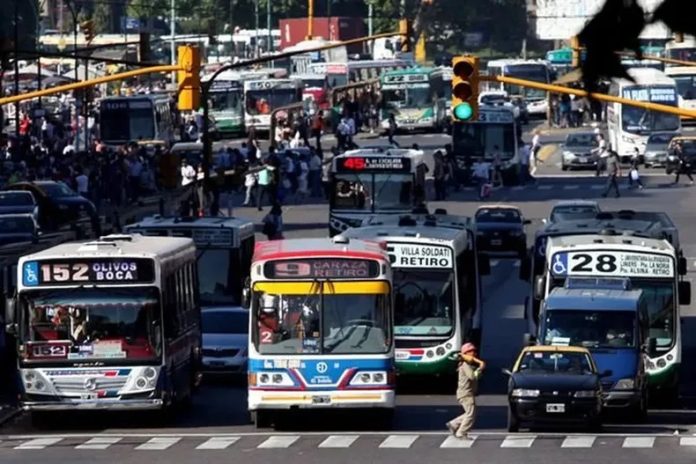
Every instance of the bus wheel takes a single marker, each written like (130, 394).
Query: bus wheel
(262, 419)
(40, 420)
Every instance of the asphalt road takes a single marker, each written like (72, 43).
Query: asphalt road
(217, 427)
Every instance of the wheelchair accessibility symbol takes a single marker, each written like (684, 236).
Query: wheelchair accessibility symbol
(560, 264)
(31, 274)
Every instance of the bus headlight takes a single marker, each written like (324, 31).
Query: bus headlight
(143, 379)
(661, 363)
(35, 382)
(625, 384)
(363, 379)
(440, 351)
(274, 379)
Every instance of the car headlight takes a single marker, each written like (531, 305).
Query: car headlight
(568, 154)
(585, 394)
(369, 378)
(625, 384)
(524, 393)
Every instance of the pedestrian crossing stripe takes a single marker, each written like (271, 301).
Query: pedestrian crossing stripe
(342, 441)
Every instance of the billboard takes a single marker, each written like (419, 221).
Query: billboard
(562, 19)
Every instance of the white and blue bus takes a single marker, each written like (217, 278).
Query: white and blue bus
(321, 323)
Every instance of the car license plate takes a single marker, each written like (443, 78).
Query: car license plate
(218, 363)
(555, 407)
(321, 399)
(496, 242)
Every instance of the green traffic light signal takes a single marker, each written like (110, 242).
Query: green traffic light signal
(463, 111)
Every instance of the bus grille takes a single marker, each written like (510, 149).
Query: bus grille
(77, 385)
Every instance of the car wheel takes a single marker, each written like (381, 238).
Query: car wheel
(513, 424)
(564, 167)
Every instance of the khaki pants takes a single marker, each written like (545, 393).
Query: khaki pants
(465, 422)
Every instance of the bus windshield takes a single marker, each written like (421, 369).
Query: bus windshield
(105, 324)
(686, 86)
(424, 302)
(479, 140)
(684, 54)
(532, 72)
(591, 329)
(321, 323)
(391, 192)
(406, 98)
(265, 101)
(216, 279)
(640, 121)
(337, 79)
(127, 124)
(230, 101)
(659, 295)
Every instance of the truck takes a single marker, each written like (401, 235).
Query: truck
(334, 28)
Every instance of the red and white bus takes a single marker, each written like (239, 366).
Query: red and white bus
(339, 74)
(262, 96)
(315, 89)
(108, 324)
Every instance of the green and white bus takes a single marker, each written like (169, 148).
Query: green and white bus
(437, 287)
(417, 98)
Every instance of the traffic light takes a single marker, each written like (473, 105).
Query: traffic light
(575, 52)
(189, 78)
(88, 30)
(405, 33)
(465, 82)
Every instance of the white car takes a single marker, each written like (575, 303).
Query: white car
(225, 333)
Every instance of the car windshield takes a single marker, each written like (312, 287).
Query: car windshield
(80, 324)
(324, 320)
(57, 190)
(498, 215)
(582, 140)
(16, 225)
(217, 280)
(494, 99)
(424, 302)
(549, 362)
(16, 199)
(225, 322)
(569, 213)
(591, 329)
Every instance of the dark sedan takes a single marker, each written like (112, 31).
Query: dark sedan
(554, 384)
(16, 228)
(58, 204)
(500, 228)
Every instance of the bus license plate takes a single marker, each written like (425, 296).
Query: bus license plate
(321, 399)
(560, 407)
(89, 396)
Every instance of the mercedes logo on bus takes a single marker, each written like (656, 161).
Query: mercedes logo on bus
(90, 384)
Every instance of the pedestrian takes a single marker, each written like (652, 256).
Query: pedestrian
(634, 175)
(684, 166)
(264, 186)
(525, 153)
(469, 371)
(392, 129)
(250, 180)
(440, 176)
(273, 223)
(318, 129)
(613, 172)
(601, 153)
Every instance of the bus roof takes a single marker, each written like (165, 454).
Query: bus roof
(622, 240)
(680, 71)
(416, 233)
(145, 96)
(581, 299)
(338, 247)
(115, 246)
(645, 76)
(515, 61)
(244, 227)
(438, 220)
(406, 71)
(384, 151)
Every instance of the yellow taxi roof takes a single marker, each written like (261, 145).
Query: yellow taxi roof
(554, 349)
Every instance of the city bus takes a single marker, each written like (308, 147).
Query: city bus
(374, 181)
(652, 263)
(145, 119)
(685, 78)
(533, 70)
(339, 74)
(629, 127)
(315, 89)
(437, 288)
(416, 98)
(108, 324)
(320, 328)
(685, 51)
(262, 96)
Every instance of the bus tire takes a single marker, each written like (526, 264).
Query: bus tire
(262, 419)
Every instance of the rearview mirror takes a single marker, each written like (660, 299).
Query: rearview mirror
(684, 292)
(605, 374)
(506, 372)
(539, 287)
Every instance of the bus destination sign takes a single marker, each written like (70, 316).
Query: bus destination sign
(366, 163)
(88, 271)
(322, 268)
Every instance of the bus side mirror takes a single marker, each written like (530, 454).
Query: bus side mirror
(10, 316)
(684, 292)
(651, 346)
(484, 264)
(525, 268)
(506, 372)
(246, 297)
(539, 285)
(681, 266)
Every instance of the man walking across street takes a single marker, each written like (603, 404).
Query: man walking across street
(614, 172)
(469, 371)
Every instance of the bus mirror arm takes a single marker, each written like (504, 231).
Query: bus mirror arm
(539, 285)
(651, 346)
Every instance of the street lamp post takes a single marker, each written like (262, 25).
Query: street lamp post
(16, 63)
(256, 15)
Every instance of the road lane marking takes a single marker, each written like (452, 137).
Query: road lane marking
(38, 443)
(454, 442)
(583, 441)
(158, 443)
(687, 441)
(338, 441)
(99, 443)
(398, 441)
(514, 441)
(218, 443)
(638, 442)
(279, 441)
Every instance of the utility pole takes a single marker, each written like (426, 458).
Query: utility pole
(310, 20)
(269, 44)
(172, 31)
(256, 15)
(16, 63)
(369, 26)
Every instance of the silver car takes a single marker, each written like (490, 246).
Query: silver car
(579, 151)
(225, 337)
(656, 149)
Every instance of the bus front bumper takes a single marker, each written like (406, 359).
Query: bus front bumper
(94, 405)
(354, 399)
